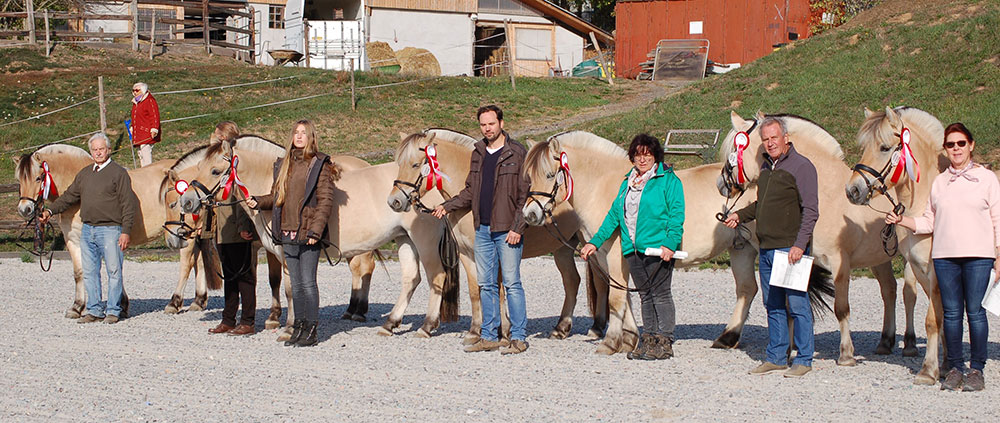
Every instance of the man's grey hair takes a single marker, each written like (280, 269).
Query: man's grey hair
(771, 120)
(98, 136)
(141, 86)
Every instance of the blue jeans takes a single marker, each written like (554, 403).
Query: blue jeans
(775, 300)
(492, 247)
(963, 283)
(97, 243)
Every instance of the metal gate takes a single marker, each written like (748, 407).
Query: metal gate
(332, 44)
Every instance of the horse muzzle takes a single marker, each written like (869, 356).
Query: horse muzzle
(175, 242)
(533, 214)
(26, 209)
(858, 192)
(398, 202)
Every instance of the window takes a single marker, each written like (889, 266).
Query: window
(162, 30)
(533, 44)
(512, 7)
(276, 17)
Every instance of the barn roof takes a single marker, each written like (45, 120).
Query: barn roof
(569, 20)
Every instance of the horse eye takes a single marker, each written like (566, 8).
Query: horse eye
(415, 165)
(216, 172)
(174, 204)
(550, 175)
(885, 148)
(39, 178)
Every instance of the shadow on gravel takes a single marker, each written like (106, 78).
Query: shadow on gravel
(140, 306)
(865, 342)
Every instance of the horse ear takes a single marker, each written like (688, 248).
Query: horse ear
(893, 117)
(738, 121)
(402, 136)
(868, 112)
(760, 115)
(171, 175)
(430, 138)
(227, 148)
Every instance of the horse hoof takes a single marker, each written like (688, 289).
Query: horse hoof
(910, 351)
(170, 309)
(847, 361)
(556, 334)
(360, 318)
(284, 334)
(196, 307)
(594, 334)
(382, 331)
(923, 379)
(346, 316)
(72, 314)
(422, 333)
(272, 324)
(605, 350)
(727, 341)
(883, 349)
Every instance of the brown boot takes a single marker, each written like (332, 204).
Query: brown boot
(665, 348)
(656, 351)
(642, 349)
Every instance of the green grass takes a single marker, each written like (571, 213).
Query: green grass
(946, 65)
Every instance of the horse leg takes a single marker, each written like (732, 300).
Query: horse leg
(476, 315)
(623, 333)
(842, 309)
(571, 286)
(80, 298)
(504, 315)
(274, 280)
(597, 292)
(410, 278)
(210, 263)
(909, 302)
(436, 276)
(742, 265)
(362, 267)
(887, 285)
(188, 260)
(929, 370)
(286, 333)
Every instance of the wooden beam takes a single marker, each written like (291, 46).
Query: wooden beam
(4, 188)
(134, 8)
(230, 11)
(91, 34)
(30, 21)
(90, 17)
(172, 21)
(230, 45)
(206, 31)
(600, 57)
(231, 28)
(13, 14)
(13, 33)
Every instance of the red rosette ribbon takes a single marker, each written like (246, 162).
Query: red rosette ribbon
(741, 141)
(48, 187)
(906, 159)
(434, 175)
(564, 166)
(234, 179)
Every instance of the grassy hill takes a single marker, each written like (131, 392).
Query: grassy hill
(940, 56)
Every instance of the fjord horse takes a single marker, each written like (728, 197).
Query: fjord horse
(453, 153)
(598, 166)
(844, 238)
(360, 222)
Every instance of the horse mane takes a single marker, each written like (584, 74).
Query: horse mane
(196, 155)
(408, 152)
(25, 164)
(539, 164)
(799, 125)
(258, 144)
(872, 130)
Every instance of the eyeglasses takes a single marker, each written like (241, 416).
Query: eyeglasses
(952, 144)
(135, 90)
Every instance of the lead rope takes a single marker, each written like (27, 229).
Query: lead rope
(40, 232)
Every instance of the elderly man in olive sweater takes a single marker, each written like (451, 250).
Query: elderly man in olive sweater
(107, 207)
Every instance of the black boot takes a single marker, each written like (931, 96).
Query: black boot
(308, 338)
(296, 332)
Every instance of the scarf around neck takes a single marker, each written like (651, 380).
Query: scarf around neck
(962, 173)
(637, 181)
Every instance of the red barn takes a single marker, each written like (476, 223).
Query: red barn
(739, 31)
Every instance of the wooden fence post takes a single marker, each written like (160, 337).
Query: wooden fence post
(206, 30)
(102, 105)
(152, 35)
(29, 23)
(135, 24)
(253, 33)
(508, 32)
(354, 101)
(305, 27)
(604, 65)
(47, 44)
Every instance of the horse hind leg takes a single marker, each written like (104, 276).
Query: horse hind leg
(571, 286)
(274, 280)
(929, 370)
(189, 260)
(842, 309)
(362, 267)
(742, 266)
(410, 278)
(909, 302)
(476, 312)
(80, 294)
(887, 286)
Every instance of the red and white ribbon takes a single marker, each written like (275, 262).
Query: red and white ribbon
(48, 183)
(741, 141)
(434, 173)
(234, 179)
(906, 159)
(181, 186)
(564, 165)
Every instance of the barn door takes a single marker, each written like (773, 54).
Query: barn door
(777, 23)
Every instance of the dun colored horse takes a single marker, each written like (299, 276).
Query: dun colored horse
(453, 153)
(64, 162)
(359, 224)
(597, 168)
(844, 238)
(880, 138)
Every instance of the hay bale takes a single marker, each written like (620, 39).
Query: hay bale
(380, 54)
(418, 62)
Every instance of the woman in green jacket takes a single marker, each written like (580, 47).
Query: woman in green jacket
(649, 210)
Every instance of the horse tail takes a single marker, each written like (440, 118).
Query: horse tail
(377, 254)
(820, 289)
(213, 267)
(448, 252)
(591, 290)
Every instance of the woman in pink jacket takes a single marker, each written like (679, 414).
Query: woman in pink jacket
(963, 213)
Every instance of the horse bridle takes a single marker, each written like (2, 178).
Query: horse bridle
(550, 197)
(890, 244)
(40, 233)
(412, 189)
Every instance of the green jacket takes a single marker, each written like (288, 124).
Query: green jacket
(661, 214)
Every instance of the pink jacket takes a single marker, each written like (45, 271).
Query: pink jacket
(964, 216)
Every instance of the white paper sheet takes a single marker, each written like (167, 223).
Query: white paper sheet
(991, 301)
(795, 276)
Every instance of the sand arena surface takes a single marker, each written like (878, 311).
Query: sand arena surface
(159, 367)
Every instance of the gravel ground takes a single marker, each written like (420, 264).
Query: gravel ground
(162, 367)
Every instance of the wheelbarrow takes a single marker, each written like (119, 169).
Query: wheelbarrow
(282, 57)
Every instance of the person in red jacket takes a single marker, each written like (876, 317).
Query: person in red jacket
(145, 126)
